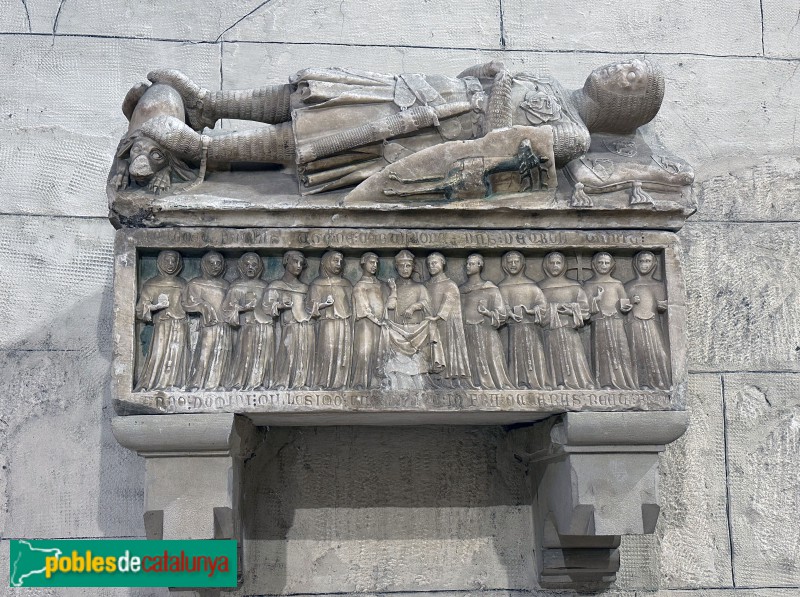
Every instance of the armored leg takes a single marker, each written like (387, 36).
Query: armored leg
(204, 107)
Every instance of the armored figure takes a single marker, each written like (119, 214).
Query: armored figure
(484, 312)
(526, 311)
(369, 297)
(608, 303)
(330, 297)
(454, 370)
(255, 341)
(341, 126)
(161, 302)
(648, 298)
(286, 299)
(568, 309)
(212, 354)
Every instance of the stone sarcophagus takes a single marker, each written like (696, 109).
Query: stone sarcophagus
(484, 249)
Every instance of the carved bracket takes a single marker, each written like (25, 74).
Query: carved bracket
(595, 478)
(193, 470)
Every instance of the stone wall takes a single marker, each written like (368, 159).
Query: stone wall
(336, 510)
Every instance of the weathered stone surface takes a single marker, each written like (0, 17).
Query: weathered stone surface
(16, 18)
(65, 475)
(58, 271)
(639, 558)
(781, 25)
(692, 535)
(742, 296)
(771, 592)
(474, 24)
(679, 26)
(207, 20)
(53, 171)
(762, 190)
(44, 87)
(41, 16)
(372, 509)
(762, 415)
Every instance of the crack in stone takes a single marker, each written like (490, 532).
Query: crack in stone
(58, 16)
(502, 27)
(594, 52)
(248, 15)
(27, 15)
(727, 477)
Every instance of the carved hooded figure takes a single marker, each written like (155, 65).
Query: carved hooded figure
(161, 301)
(484, 312)
(255, 341)
(526, 311)
(445, 306)
(648, 298)
(212, 354)
(330, 297)
(608, 303)
(286, 299)
(369, 298)
(568, 308)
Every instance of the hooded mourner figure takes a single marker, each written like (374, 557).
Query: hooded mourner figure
(526, 310)
(608, 304)
(568, 309)
(161, 301)
(212, 354)
(255, 342)
(330, 297)
(286, 299)
(648, 298)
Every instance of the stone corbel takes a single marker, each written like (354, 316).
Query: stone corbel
(595, 478)
(193, 472)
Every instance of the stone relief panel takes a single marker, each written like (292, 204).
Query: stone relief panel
(333, 322)
(432, 320)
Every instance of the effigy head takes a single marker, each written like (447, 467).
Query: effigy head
(622, 96)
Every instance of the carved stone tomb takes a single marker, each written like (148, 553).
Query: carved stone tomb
(482, 249)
